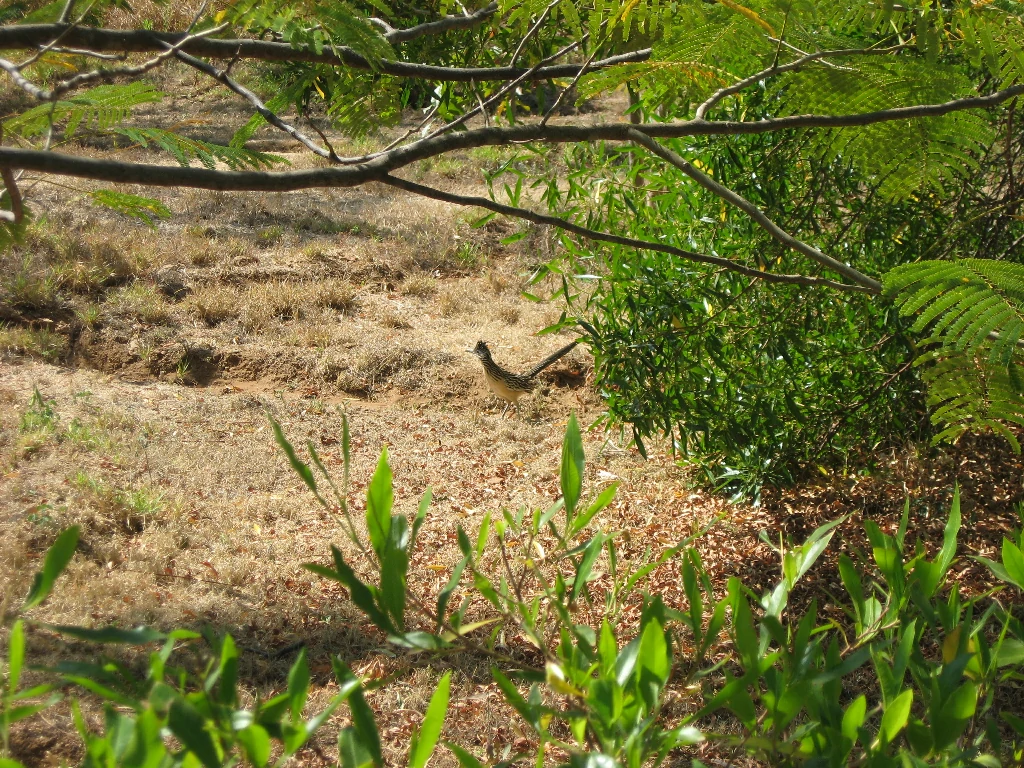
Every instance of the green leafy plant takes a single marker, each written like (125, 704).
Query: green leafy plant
(202, 713)
(797, 691)
(910, 675)
(99, 109)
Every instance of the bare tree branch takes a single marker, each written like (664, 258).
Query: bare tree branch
(593, 234)
(777, 69)
(375, 166)
(396, 36)
(65, 13)
(872, 285)
(17, 212)
(32, 36)
(221, 76)
(151, 175)
(100, 75)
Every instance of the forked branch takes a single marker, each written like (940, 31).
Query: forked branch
(32, 36)
(868, 283)
(605, 237)
(17, 212)
(778, 69)
(101, 74)
(446, 24)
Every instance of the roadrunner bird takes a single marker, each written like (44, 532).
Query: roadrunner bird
(511, 386)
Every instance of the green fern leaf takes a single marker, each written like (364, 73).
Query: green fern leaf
(968, 393)
(975, 309)
(97, 109)
(145, 209)
(185, 150)
(964, 302)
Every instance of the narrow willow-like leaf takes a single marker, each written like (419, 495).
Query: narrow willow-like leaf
(425, 740)
(57, 558)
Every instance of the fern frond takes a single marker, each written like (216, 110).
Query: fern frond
(905, 156)
(145, 209)
(186, 150)
(99, 108)
(360, 108)
(315, 24)
(690, 76)
(969, 393)
(964, 302)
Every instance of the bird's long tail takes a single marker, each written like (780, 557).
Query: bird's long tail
(551, 359)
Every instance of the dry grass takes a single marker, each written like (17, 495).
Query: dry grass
(139, 301)
(382, 366)
(213, 303)
(499, 282)
(420, 285)
(108, 509)
(41, 343)
(508, 312)
(204, 254)
(161, 16)
(392, 318)
(335, 294)
(313, 332)
(259, 306)
(456, 300)
(267, 303)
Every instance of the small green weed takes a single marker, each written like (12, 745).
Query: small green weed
(89, 315)
(270, 235)
(88, 437)
(129, 510)
(41, 414)
(40, 516)
(142, 302)
(29, 287)
(37, 426)
(468, 256)
(183, 372)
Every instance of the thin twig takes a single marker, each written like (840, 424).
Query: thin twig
(419, 127)
(583, 70)
(532, 32)
(65, 14)
(330, 147)
(872, 285)
(501, 93)
(104, 75)
(17, 212)
(221, 76)
(82, 52)
(592, 234)
(445, 24)
(480, 103)
(776, 69)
